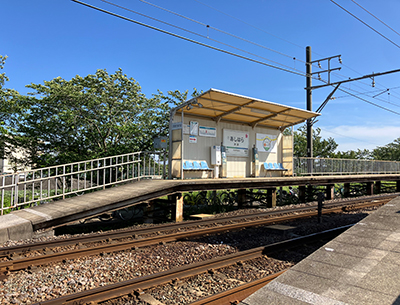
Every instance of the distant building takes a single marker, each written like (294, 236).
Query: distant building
(7, 166)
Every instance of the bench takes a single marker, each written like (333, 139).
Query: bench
(196, 166)
(274, 167)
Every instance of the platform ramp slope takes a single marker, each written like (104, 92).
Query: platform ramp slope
(358, 267)
(21, 224)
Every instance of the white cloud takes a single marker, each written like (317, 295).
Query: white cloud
(361, 137)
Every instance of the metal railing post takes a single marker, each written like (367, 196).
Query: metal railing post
(16, 180)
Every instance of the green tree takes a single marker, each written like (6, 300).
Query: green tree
(89, 117)
(323, 148)
(364, 154)
(9, 113)
(174, 98)
(390, 151)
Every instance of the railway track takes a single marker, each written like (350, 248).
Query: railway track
(108, 243)
(346, 205)
(137, 286)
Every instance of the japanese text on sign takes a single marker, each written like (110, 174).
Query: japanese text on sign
(236, 142)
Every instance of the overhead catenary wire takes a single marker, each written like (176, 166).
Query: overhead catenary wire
(375, 17)
(214, 48)
(366, 24)
(200, 35)
(253, 26)
(216, 29)
(360, 98)
(187, 39)
(232, 35)
(203, 36)
(262, 30)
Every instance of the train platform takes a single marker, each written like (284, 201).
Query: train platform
(361, 266)
(24, 223)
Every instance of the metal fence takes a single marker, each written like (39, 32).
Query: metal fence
(327, 166)
(33, 187)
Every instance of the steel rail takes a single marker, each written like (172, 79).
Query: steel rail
(9, 251)
(237, 294)
(19, 264)
(24, 263)
(137, 285)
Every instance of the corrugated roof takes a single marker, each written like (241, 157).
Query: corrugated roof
(220, 105)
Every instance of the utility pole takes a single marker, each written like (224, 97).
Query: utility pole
(309, 88)
(309, 102)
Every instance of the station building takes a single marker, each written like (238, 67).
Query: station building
(224, 135)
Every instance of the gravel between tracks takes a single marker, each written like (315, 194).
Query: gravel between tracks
(42, 283)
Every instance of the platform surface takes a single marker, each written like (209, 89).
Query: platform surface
(359, 267)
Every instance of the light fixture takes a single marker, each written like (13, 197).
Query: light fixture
(260, 111)
(340, 60)
(200, 105)
(319, 76)
(189, 107)
(319, 65)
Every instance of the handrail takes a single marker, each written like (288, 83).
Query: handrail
(32, 187)
(332, 166)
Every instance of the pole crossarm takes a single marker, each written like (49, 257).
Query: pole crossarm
(327, 58)
(324, 71)
(353, 79)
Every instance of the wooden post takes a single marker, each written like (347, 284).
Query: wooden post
(271, 197)
(378, 187)
(148, 210)
(370, 188)
(310, 193)
(330, 191)
(302, 193)
(346, 189)
(241, 197)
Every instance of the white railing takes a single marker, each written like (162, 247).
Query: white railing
(23, 189)
(331, 166)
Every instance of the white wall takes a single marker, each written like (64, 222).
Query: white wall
(237, 166)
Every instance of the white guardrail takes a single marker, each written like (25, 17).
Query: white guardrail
(329, 166)
(24, 189)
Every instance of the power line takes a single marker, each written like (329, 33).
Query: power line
(375, 17)
(238, 19)
(260, 29)
(230, 34)
(214, 28)
(187, 39)
(200, 35)
(217, 49)
(365, 24)
(362, 99)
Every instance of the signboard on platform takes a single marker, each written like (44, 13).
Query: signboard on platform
(208, 131)
(176, 125)
(266, 142)
(193, 139)
(194, 128)
(236, 143)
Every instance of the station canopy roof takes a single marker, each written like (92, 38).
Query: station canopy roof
(220, 105)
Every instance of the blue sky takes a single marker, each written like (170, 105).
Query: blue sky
(45, 39)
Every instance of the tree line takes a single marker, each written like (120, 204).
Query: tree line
(104, 114)
(326, 148)
(89, 117)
